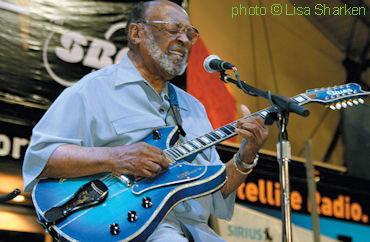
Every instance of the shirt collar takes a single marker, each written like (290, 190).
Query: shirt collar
(127, 72)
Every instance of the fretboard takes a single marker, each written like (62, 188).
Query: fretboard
(214, 137)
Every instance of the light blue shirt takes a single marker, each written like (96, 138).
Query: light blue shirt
(116, 106)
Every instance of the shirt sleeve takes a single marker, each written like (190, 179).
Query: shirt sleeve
(63, 123)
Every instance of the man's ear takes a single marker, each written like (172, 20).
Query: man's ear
(135, 33)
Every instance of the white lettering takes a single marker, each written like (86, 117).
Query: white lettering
(339, 92)
(17, 146)
(99, 54)
(4, 145)
(72, 51)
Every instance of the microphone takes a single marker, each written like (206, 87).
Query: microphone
(213, 63)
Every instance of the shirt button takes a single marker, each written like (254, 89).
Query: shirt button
(161, 111)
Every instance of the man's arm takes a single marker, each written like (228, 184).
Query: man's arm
(139, 159)
(254, 134)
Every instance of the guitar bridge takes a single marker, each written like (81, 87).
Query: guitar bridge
(91, 194)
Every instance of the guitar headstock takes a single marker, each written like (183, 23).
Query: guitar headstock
(338, 97)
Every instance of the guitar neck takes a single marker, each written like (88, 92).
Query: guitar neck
(338, 95)
(216, 136)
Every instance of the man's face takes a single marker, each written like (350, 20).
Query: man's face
(169, 52)
(173, 60)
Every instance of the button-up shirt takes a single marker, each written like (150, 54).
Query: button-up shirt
(117, 106)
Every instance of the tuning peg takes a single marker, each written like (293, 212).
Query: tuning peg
(338, 106)
(344, 105)
(350, 103)
(332, 107)
(360, 100)
(355, 102)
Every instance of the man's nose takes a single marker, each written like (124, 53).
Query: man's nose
(183, 39)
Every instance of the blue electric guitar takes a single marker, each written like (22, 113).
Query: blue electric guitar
(105, 207)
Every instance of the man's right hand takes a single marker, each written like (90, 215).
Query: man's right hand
(139, 160)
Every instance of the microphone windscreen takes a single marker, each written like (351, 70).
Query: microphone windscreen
(207, 61)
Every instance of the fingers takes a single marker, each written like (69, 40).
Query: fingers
(255, 132)
(251, 129)
(140, 159)
(244, 110)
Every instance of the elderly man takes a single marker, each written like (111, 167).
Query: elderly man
(96, 125)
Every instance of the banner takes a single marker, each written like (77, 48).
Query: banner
(250, 225)
(48, 45)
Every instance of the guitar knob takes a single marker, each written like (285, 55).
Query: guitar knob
(147, 202)
(156, 134)
(131, 216)
(114, 229)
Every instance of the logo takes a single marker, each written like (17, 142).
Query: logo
(73, 47)
(344, 91)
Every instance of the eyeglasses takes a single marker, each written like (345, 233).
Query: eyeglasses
(174, 29)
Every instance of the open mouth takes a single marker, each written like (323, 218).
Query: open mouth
(177, 53)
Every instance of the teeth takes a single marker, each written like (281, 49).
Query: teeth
(177, 53)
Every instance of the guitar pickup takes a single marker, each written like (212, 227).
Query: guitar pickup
(91, 194)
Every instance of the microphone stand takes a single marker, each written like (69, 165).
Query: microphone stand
(281, 107)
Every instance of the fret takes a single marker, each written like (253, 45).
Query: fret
(171, 153)
(210, 137)
(215, 135)
(225, 130)
(263, 114)
(181, 149)
(230, 127)
(177, 151)
(205, 140)
(201, 141)
(188, 146)
(220, 133)
(196, 143)
(185, 148)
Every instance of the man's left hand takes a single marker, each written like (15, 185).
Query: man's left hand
(254, 134)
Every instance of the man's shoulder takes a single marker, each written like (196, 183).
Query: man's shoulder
(95, 80)
(104, 75)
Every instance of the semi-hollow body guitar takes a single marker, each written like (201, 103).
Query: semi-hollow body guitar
(105, 207)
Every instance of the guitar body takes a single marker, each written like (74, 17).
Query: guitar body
(109, 220)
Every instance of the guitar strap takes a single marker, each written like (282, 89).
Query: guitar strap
(174, 104)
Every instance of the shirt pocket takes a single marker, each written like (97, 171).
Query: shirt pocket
(136, 122)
